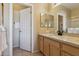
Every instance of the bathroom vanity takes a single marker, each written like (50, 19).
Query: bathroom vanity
(54, 45)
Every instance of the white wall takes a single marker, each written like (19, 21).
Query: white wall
(8, 26)
(16, 40)
(0, 14)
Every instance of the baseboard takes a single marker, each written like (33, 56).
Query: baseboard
(35, 51)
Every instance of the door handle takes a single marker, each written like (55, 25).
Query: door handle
(20, 31)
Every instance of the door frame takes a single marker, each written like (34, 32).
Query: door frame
(11, 28)
(64, 20)
(33, 27)
(32, 23)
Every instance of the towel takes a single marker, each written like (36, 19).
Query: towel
(3, 44)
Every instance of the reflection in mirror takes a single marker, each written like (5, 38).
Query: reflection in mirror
(43, 20)
(72, 17)
(50, 21)
(74, 26)
(47, 20)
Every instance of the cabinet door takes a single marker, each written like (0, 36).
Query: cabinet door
(56, 51)
(51, 48)
(74, 51)
(54, 48)
(41, 40)
(65, 54)
(46, 46)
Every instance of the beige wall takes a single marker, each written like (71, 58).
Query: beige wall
(38, 8)
(74, 23)
(75, 12)
(18, 7)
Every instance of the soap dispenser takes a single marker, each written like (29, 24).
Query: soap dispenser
(60, 32)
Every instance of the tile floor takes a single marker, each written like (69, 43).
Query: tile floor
(21, 52)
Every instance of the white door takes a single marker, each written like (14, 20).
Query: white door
(25, 29)
(16, 29)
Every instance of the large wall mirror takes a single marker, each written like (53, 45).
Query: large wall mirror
(47, 20)
(74, 26)
(70, 20)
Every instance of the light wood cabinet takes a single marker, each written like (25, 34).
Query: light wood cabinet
(51, 47)
(46, 46)
(71, 50)
(54, 48)
(41, 42)
(65, 54)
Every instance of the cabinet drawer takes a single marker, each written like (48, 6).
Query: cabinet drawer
(41, 41)
(70, 49)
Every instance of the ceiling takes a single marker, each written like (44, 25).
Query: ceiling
(70, 5)
(18, 6)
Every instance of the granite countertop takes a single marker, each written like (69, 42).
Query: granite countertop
(64, 38)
